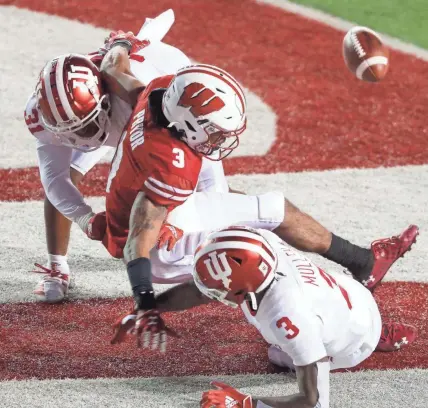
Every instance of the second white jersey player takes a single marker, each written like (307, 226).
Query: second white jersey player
(56, 159)
(316, 321)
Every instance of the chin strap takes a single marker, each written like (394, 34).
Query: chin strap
(253, 300)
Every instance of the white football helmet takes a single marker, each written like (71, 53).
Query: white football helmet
(207, 105)
(72, 102)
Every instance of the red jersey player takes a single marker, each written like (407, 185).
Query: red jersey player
(201, 111)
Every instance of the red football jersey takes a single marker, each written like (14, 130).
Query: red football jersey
(148, 158)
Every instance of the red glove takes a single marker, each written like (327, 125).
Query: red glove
(93, 225)
(148, 326)
(97, 226)
(225, 396)
(129, 40)
(169, 235)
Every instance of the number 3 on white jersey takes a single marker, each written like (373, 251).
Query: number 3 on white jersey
(179, 158)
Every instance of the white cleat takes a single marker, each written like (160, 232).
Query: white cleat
(54, 287)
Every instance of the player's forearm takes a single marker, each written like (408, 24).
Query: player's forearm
(116, 72)
(290, 401)
(181, 297)
(145, 223)
(308, 395)
(144, 226)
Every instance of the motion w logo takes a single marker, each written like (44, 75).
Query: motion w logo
(201, 100)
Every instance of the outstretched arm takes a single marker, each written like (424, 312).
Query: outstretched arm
(181, 297)
(144, 226)
(309, 395)
(313, 382)
(116, 72)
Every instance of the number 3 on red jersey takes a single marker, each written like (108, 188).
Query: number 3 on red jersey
(289, 327)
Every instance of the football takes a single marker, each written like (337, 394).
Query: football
(365, 54)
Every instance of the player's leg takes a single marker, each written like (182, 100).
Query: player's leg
(60, 168)
(57, 226)
(368, 266)
(56, 283)
(273, 212)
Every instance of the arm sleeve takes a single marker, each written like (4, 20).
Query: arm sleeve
(54, 166)
(298, 333)
(212, 178)
(323, 384)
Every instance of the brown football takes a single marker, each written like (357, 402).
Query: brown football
(365, 55)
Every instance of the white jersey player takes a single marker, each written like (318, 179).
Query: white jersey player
(71, 141)
(316, 321)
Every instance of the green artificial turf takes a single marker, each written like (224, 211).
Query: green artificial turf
(407, 20)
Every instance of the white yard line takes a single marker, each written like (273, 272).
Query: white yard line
(377, 389)
(360, 205)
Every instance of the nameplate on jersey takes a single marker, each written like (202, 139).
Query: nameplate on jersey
(136, 134)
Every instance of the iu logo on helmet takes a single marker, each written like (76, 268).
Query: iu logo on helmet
(217, 271)
(201, 100)
(87, 77)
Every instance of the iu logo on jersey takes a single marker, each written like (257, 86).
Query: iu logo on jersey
(201, 101)
(219, 268)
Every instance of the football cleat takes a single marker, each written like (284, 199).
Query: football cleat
(54, 287)
(395, 336)
(386, 252)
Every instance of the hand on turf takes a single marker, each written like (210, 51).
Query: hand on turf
(225, 396)
(169, 235)
(148, 327)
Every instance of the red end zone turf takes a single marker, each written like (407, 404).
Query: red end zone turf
(326, 118)
(72, 340)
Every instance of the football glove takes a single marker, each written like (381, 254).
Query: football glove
(93, 225)
(169, 235)
(128, 40)
(225, 396)
(148, 327)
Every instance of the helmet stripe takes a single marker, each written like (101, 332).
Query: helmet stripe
(49, 94)
(225, 73)
(241, 233)
(61, 88)
(236, 245)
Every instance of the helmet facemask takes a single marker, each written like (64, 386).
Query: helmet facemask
(207, 107)
(87, 134)
(72, 102)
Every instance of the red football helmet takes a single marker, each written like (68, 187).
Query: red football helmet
(72, 102)
(233, 263)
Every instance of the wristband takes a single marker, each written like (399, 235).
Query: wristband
(83, 221)
(123, 43)
(140, 277)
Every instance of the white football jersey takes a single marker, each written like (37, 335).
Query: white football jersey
(311, 314)
(155, 60)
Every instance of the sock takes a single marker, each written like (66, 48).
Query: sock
(60, 261)
(359, 261)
